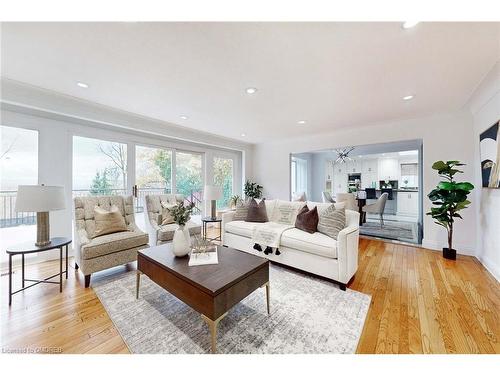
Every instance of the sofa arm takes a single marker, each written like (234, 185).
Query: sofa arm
(226, 218)
(347, 250)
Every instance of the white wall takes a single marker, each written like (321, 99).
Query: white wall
(485, 108)
(445, 137)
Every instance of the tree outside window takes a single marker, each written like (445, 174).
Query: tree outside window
(223, 177)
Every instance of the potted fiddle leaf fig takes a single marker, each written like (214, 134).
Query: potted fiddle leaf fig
(448, 198)
(252, 190)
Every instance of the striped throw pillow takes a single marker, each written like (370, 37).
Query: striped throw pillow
(332, 221)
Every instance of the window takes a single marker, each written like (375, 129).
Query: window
(409, 175)
(99, 167)
(18, 166)
(153, 173)
(223, 177)
(189, 177)
(298, 174)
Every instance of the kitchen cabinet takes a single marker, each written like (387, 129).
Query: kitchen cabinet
(369, 173)
(339, 178)
(407, 203)
(353, 166)
(388, 169)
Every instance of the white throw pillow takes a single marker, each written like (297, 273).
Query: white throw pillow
(285, 212)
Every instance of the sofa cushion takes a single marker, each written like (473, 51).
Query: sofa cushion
(257, 211)
(166, 232)
(107, 222)
(314, 243)
(307, 220)
(241, 228)
(323, 206)
(241, 211)
(332, 221)
(285, 212)
(111, 243)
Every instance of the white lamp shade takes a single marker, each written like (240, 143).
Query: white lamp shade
(40, 198)
(212, 193)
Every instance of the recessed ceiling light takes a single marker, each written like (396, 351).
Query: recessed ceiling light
(184, 117)
(408, 97)
(243, 135)
(409, 24)
(82, 85)
(251, 90)
(301, 122)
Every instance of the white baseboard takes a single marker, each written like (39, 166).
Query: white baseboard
(491, 266)
(461, 248)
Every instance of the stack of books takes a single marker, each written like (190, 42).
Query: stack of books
(202, 257)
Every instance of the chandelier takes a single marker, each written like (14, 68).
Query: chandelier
(343, 154)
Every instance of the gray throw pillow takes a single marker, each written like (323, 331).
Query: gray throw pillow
(257, 212)
(241, 211)
(331, 221)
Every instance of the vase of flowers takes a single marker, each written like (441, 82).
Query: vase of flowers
(181, 243)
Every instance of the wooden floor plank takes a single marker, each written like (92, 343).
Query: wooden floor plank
(421, 303)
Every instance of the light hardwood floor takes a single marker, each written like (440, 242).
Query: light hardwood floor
(421, 303)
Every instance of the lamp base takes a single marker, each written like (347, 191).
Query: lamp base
(42, 229)
(214, 209)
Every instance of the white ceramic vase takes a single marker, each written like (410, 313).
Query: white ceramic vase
(181, 243)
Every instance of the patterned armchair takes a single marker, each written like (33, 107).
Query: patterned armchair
(163, 233)
(110, 250)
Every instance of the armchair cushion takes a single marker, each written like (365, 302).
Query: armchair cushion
(113, 242)
(166, 216)
(107, 222)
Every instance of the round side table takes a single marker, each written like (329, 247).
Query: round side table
(30, 248)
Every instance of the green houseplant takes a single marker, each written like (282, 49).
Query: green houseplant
(448, 198)
(253, 190)
(234, 200)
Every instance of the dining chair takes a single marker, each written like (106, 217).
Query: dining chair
(350, 201)
(327, 197)
(377, 208)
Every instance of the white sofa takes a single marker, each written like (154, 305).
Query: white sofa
(315, 253)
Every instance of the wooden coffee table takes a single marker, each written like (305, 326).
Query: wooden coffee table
(212, 289)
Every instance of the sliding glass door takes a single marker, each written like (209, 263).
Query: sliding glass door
(153, 173)
(189, 177)
(223, 177)
(18, 166)
(99, 167)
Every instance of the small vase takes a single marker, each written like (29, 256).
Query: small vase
(181, 243)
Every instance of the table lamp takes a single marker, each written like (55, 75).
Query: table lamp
(212, 193)
(40, 199)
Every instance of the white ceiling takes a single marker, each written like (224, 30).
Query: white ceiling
(331, 74)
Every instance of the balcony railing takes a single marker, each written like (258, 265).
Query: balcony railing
(195, 197)
(10, 218)
(8, 215)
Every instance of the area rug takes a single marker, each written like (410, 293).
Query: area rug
(308, 315)
(394, 230)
